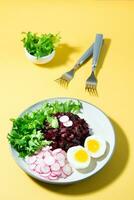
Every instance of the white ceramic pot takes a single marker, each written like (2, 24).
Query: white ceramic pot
(42, 60)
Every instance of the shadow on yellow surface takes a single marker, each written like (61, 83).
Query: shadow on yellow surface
(63, 53)
(103, 54)
(106, 176)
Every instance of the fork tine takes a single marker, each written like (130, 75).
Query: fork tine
(62, 81)
(66, 83)
(86, 88)
(58, 80)
(95, 92)
(91, 89)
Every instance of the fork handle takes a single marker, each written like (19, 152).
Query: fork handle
(96, 50)
(88, 53)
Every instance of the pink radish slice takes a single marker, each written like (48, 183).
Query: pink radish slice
(60, 156)
(55, 167)
(67, 169)
(68, 123)
(38, 169)
(64, 153)
(46, 148)
(40, 155)
(61, 163)
(45, 175)
(63, 175)
(56, 151)
(32, 167)
(58, 173)
(64, 118)
(47, 153)
(37, 161)
(53, 174)
(45, 169)
(40, 161)
(31, 159)
(49, 160)
(52, 177)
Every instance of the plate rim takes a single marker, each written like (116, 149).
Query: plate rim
(75, 181)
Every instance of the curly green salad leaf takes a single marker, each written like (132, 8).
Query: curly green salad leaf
(26, 136)
(40, 45)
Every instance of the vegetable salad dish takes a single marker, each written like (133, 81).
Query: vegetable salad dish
(54, 140)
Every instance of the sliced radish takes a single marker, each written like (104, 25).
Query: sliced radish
(38, 169)
(40, 155)
(32, 167)
(40, 161)
(68, 123)
(45, 175)
(45, 169)
(49, 160)
(47, 153)
(56, 151)
(60, 156)
(52, 177)
(53, 174)
(67, 169)
(46, 148)
(58, 173)
(64, 118)
(31, 159)
(55, 167)
(61, 163)
(64, 153)
(50, 164)
(63, 175)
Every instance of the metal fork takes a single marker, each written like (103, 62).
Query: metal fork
(68, 76)
(91, 82)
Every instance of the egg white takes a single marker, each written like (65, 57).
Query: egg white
(101, 149)
(75, 163)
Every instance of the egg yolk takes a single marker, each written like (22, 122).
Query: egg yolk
(81, 156)
(93, 145)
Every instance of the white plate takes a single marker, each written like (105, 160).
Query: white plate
(100, 124)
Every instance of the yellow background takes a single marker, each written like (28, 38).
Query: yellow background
(23, 83)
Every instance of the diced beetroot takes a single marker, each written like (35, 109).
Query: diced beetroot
(65, 137)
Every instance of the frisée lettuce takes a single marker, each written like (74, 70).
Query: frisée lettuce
(26, 136)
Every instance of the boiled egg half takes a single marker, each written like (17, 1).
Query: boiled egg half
(95, 146)
(78, 157)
